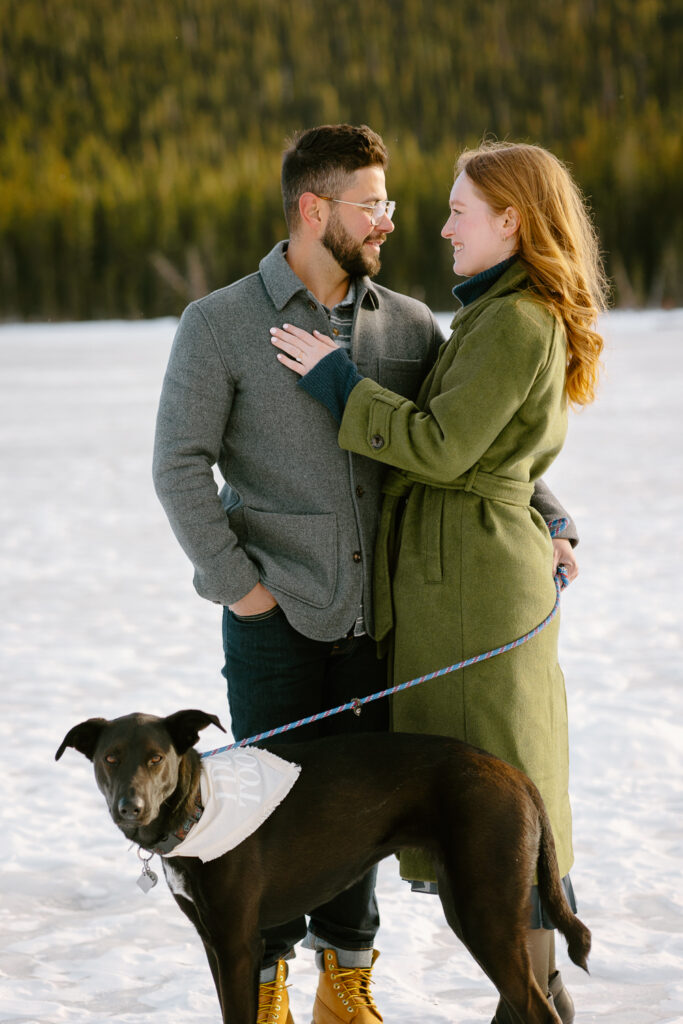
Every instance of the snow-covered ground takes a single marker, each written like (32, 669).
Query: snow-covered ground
(100, 618)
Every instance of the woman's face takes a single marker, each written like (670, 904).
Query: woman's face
(480, 237)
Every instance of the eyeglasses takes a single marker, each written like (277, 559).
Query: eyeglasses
(379, 209)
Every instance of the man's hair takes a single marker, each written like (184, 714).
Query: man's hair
(320, 160)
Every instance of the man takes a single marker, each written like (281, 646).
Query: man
(287, 547)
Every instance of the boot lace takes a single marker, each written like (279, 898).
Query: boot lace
(270, 1002)
(357, 982)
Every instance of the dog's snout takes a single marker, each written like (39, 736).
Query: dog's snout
(131, 807)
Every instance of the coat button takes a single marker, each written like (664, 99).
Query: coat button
(312, 305)
(360, 491)
(357, 556)
(377, 442)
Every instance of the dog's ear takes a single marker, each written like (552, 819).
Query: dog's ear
(83, 737)
(184, 727)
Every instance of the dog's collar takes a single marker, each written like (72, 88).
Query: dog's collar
(168, 843)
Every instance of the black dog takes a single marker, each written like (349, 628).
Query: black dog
(482, 821)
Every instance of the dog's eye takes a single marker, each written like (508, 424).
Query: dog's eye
(111, 759)
(156, 759)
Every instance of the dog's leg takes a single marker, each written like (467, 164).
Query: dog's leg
(234, 967)
(213, 964)
(234, 948)
(238, 980)
(188, 908)
(223, 905)
(215, 949)
(493, 928)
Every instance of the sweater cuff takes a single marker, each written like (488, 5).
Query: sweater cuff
(331, 381)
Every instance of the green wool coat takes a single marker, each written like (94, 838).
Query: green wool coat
(470, 566)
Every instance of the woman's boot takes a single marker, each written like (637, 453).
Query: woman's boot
(564, 1004)
(541, 945)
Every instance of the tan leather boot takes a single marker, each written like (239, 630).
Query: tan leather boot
(541, 945)
(273, 1000)
(506, 1016)
(564, 1004)
(344, 993)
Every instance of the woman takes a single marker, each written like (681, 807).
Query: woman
(464, 564)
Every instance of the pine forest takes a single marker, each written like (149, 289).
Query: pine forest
(140, 141)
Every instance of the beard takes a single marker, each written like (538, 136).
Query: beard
(348, 252)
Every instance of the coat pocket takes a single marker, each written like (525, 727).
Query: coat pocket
(296, 554)
(404, 376)
(432, 528)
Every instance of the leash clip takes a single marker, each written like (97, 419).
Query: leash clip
(356, 707)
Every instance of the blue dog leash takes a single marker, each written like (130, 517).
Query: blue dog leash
(356, 705)
(148, 878)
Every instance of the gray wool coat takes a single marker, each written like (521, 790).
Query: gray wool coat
(298, 513)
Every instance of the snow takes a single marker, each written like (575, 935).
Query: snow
(100, 619)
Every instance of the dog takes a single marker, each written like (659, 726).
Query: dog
(482, 821)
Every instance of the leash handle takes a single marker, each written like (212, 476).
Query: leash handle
(561, 578)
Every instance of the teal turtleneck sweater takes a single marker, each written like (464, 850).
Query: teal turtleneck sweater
(473, 287)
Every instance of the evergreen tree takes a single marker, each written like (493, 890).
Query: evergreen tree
(141, 142)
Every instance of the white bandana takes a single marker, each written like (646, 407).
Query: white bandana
(240, 788)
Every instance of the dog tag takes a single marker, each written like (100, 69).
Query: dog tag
(147, 880)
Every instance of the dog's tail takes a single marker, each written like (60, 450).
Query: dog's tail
(552, 893)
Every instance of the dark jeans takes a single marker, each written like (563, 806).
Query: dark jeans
(275, 676)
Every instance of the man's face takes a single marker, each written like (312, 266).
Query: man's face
(349, 235)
